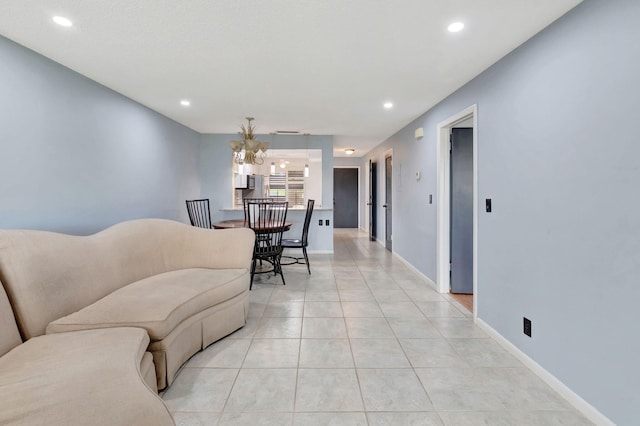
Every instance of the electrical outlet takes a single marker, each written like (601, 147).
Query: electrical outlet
(326, 222)
(526, 326)
(488, 205)
(430, 198)
(320, 222)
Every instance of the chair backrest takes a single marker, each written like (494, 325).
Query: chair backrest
(267, 219)
(245, 202)
(307, 222)
(199, 213)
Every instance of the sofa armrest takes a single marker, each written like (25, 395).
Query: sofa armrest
(82, 378)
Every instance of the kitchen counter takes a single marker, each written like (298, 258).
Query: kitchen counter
(320, 231)
(239, 209)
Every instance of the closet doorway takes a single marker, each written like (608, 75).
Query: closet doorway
(457, 218)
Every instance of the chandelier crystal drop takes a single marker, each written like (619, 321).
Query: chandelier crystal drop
(248, 150)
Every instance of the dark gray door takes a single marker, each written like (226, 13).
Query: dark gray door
(461, 210)
(345, 198)
(388, 171)
(373, 190)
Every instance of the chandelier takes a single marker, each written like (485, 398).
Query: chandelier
(249, 150)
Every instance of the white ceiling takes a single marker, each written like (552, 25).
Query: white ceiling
(315, 66)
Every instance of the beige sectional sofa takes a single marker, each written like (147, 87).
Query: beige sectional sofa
(109, 318)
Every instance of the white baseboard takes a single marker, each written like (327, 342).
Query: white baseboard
(454, 302)
(319, 251)
(589, 411)
(413, 269)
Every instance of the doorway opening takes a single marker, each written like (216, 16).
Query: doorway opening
(372, 204)
(346, 201)
(457, 217)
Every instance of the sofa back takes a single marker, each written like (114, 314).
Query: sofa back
(9, 335)
(49, 275)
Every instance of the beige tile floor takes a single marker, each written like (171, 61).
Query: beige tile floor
(361, 341)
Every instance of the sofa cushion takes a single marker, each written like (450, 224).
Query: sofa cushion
(9, 335)
(158, 303)
(82, 378)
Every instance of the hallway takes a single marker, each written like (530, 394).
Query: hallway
(363, 340)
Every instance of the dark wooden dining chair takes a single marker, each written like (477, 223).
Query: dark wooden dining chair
(246, 201)
(267, 219)
(199, 213)
(301, 243)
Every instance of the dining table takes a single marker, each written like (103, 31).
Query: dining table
(241, 223)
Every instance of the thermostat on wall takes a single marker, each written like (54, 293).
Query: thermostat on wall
(419, 133)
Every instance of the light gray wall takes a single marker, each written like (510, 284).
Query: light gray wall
(77, 157)
(347, 161)
(559, 159)
(215, 172)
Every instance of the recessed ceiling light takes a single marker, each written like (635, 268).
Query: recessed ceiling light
(455, 27)
(388, 105)
(62, 21)
(185, 102)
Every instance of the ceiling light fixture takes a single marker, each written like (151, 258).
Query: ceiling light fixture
(62, 21)
(249, 150)
(388, 105)
(185, 102)
(349, 151)
(455, 27)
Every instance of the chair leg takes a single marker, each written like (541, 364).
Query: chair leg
(253, 271)
(278, 268)
(306, 259)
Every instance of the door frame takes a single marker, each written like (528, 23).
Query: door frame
(367, 191)
(443, 242)
(387, 153)
(359, 181)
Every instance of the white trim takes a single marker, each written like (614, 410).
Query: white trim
(588, 410)
(233, 183)
(442, 194)
(458, 305)
(359, 196)
(413, 269)
(319, 251)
